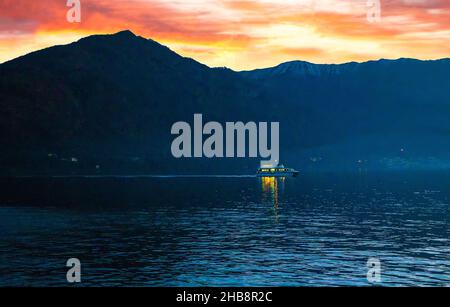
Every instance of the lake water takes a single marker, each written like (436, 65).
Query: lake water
(226, 231)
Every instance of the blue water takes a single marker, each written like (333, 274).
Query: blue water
(226, 231)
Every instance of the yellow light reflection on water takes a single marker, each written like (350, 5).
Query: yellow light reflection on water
(270, 191)
(269, 184)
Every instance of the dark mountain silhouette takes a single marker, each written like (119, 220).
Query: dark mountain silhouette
(105, 104)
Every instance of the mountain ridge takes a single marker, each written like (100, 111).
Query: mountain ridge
(110, 100)
(129, 33)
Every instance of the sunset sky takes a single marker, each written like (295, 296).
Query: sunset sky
(240, 34)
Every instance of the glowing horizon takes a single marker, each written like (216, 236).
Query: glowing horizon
(240, 34)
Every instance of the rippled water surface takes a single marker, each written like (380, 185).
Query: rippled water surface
(226, 231)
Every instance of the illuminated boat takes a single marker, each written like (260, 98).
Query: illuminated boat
(275, 170)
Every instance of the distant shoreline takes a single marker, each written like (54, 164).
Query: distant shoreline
(133, 176)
